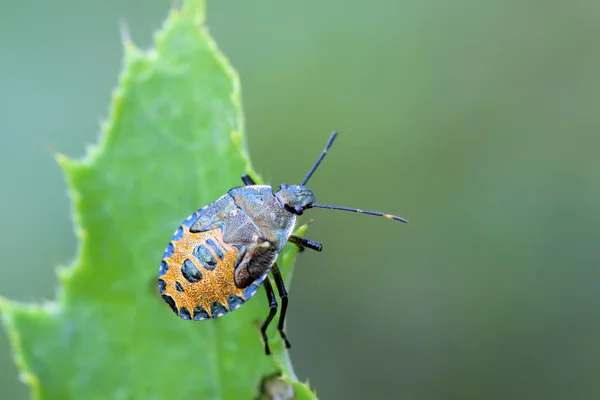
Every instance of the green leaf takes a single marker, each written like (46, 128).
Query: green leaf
(173, 144)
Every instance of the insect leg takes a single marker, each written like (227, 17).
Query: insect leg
(272, 312)
(303, 243)
(284, 301)
(247, 180)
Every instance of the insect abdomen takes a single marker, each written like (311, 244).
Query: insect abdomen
(196, 276)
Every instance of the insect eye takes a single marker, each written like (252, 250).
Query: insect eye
(283, 186)
(298, 210)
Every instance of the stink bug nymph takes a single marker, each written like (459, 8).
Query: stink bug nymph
(218, 258)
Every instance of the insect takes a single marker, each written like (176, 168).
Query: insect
(221, 254)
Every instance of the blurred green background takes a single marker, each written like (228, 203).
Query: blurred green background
(477, 120)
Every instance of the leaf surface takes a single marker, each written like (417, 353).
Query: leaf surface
(173, 143)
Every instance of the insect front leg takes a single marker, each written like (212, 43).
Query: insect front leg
(272, 312)
(303, 243)
(247, 180)
(284, 302)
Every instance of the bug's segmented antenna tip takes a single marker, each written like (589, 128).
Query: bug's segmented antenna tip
(395, 218)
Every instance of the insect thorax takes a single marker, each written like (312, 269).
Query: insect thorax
(262, 207)
(252, 220)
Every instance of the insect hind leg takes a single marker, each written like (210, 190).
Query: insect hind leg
(284, 302)
(272, 312)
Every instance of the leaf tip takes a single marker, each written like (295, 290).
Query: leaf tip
(197, 8)
(125, 34)
(9, 311)
(69, 166)
(302, 228)
(61, 159)
(64, 273)
(25, 374)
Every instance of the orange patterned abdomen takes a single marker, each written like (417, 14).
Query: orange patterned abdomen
(196, 275)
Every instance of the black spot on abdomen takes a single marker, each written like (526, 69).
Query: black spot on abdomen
(205, 257)
(190, 272)
(171, 303)
(216, 248)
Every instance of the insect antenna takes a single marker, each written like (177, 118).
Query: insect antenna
(357, 210)
(327, 146)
